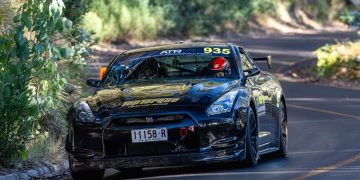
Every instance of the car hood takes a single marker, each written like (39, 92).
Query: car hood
(161, 93)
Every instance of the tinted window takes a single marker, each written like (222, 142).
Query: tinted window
(245, 62)
(194, 63)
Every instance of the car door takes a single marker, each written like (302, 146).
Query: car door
(259, 85)
(273, 103)
(264, 81)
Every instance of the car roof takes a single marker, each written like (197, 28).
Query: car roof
(178, 45)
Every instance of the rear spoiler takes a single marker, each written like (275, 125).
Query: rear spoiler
(267, 59)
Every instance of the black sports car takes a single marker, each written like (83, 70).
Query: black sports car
(175, 105)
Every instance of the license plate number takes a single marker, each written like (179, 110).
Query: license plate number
(149, 135)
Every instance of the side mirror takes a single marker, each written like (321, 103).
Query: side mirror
(252, 72)
(93, 82)
(268, 59)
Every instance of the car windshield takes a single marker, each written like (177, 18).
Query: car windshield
(177, 64)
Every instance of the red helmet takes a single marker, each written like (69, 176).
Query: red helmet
(219, 64)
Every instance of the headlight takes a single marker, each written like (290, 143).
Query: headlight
(84, 113)
(223, 104)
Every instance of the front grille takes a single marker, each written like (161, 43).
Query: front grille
(118, 140)
(146, 120)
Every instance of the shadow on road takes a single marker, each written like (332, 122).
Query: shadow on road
(193, 170)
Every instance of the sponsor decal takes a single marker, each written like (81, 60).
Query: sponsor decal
(218, 51)
(261, 104)
(159, 101)
(261, 100)
(174, 51)
(261, 108)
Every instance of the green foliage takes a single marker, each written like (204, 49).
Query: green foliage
(123, 19)
(75, 9)
(339, 61)
(351, 18)
(30, 80)
(93, 23)
(16, 110)
(140, 19)
(323, 11)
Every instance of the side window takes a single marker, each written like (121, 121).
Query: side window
(245, 62)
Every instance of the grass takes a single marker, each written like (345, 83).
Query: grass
(48, 149)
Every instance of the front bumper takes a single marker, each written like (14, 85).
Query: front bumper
(233, 154)
(98, 147)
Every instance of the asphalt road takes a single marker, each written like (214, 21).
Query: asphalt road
(324, 124)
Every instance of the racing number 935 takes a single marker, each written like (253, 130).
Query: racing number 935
(216, 50)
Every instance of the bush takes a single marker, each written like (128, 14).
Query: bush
(93, 24)
(323, 11)
(351, 18)
(340, 60)
(124, 20)
(146, 19)
(17, 111)
(30, 81)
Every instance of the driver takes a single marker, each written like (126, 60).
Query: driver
(150, 68)
(219, 67)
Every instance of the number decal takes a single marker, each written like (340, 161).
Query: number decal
(207, 50)
(216, 50)
(226, 51)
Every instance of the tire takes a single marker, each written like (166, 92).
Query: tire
(86, 174)
(283, 135)
(251, 140)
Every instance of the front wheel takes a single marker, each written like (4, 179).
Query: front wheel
(85, 174)
(251, 140)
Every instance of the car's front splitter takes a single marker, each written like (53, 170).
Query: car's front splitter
(236, 153)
